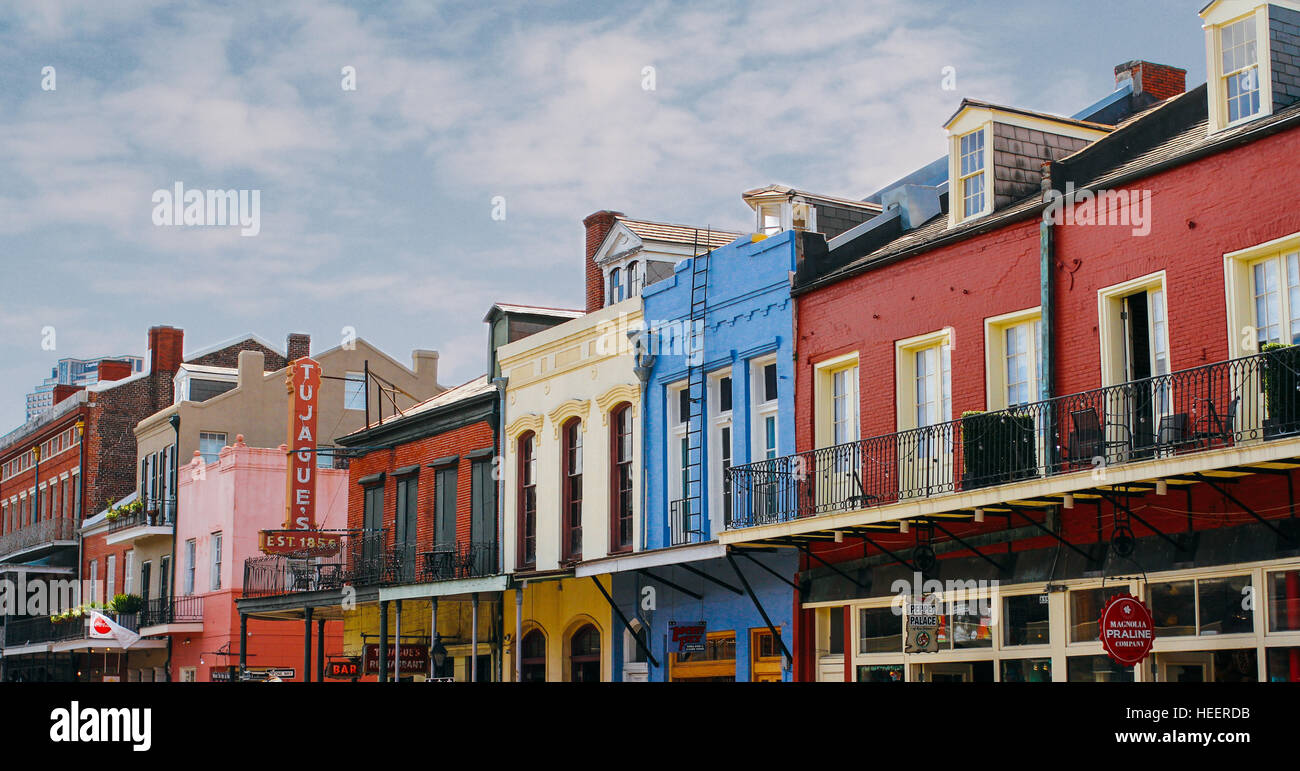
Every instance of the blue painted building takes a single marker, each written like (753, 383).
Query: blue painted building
(719, 392)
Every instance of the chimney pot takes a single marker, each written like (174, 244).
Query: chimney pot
(1160, 81)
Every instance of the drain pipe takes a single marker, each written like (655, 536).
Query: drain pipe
(1046, 273)
(643, 361)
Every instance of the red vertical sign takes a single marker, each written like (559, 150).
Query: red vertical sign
(304, 388)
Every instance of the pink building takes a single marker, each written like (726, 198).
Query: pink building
(224, 506)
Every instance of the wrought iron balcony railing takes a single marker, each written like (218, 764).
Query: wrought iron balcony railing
(40, 629)
(368, 560)
(172, 610)
(155, 513)
(362, 560)
(444, 562)
(36, 534)
(1248, 399)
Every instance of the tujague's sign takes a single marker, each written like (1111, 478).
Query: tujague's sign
(1127, 630)
(304, 388)
(412, 659)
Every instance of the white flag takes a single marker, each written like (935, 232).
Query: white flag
(104, 628)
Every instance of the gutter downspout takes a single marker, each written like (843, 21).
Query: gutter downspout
(500, 384)
(175, 421)
(1047, 310)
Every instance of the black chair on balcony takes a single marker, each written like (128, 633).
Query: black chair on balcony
(1088, 438)
(1212, 427)
(1172, 433)
(330, 576)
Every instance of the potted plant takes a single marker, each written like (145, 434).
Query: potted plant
(997, 447)
(1281, 388)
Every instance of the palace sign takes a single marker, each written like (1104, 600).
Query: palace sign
(1127, 630)
(304, 389)
(300, 543)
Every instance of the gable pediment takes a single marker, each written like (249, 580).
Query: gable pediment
(620, 242)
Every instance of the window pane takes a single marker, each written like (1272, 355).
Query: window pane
(880, 630)
(769, 382)
(1027, 671)
(1096, 669)
(1085, 611)
(1284, 601)
(1283, 665)
(1025, 620)
(836, 631)
(1173, 605)
(880, 673)
(724, 394)
(1225, 605)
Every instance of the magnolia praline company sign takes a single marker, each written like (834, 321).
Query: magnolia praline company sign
(1127, 630)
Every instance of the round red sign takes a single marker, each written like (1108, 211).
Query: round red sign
(102, 627)
(1127, 630)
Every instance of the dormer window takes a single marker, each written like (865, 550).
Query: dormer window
(1250, 50)
(1240, 67)
(971, 181)
(624, 281)
(769, 219)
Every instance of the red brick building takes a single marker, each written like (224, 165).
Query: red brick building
(86, 458)
(1053, 378)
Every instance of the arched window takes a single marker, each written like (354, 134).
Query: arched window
(620, 482)
(633, 279)
(584, 655)
(571, 511)
(615, 286)
(532, 657)
(527, 500)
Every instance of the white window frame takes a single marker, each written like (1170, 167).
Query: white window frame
(1238, 268)
(677, 433)
(1214, 23)
(963, 179)
(110, 578)
(997, 389)
(719, 422)
(214, 565)
(764, 409)
(211, 436)
(191, 558)
(128, 572)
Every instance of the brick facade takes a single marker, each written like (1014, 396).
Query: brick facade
(597, 226)
(458, 441)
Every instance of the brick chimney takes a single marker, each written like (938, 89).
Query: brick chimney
(1159, 80)
(598, 226)
(297, 346)
(166, 350)
(110, 370)
(62, 391)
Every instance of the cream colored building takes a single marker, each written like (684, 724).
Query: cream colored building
(573, 406)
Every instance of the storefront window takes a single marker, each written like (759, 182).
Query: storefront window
(1085, 611)
(972, 625)
(1173, 607)
(880, 673)
(1226, 606)
(1284, 602)
(1283, 665)
(1096, 669)
(1027, 671)
(1025, 620)
(880, 630)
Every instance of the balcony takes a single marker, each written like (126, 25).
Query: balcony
(156, 520)
(40, 630)
(362, 561)
(368, 561)
(163, 615)
(38, 539)
(1240, 404)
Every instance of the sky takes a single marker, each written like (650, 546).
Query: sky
(377, 202)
